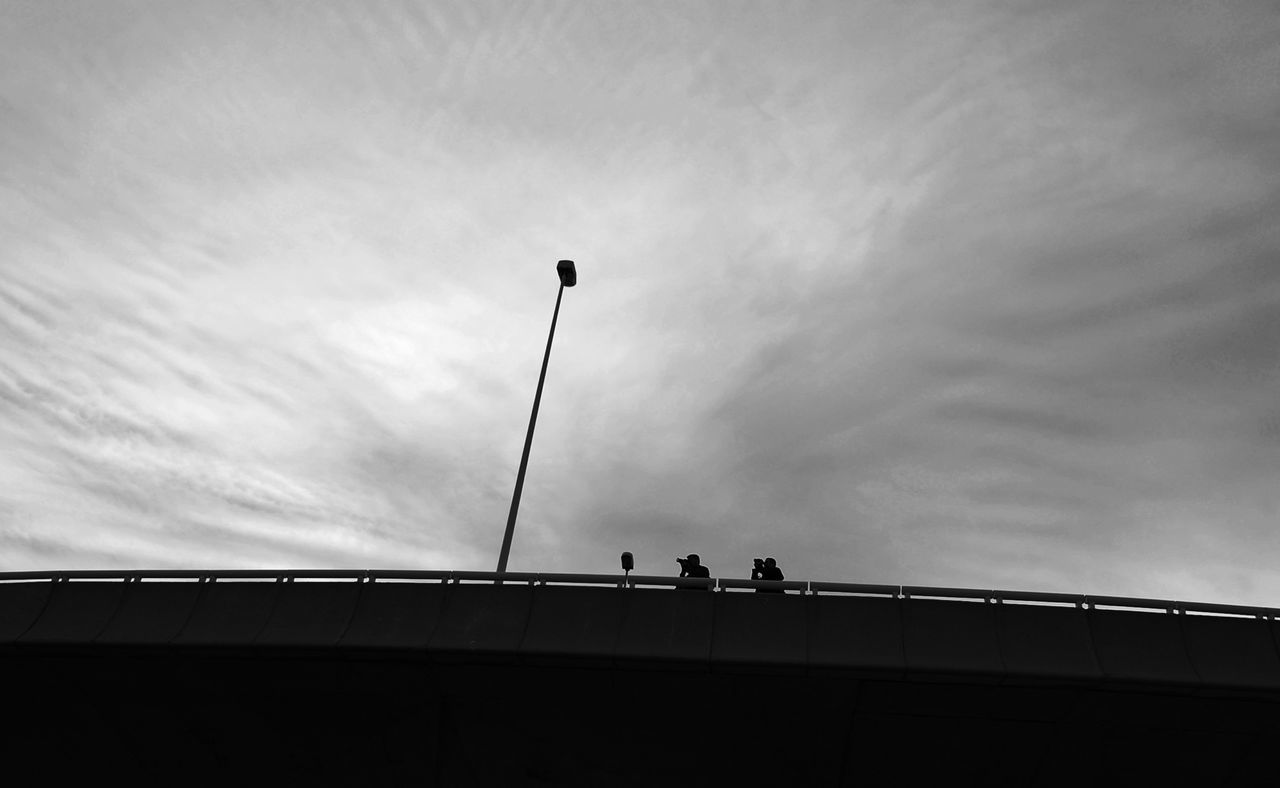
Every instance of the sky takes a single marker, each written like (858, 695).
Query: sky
(980, 294)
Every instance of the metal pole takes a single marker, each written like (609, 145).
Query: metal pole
(528, 441)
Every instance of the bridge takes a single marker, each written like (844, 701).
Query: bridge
(475, 678)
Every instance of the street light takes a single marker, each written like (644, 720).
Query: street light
(568, 278)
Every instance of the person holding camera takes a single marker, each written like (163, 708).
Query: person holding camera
(766, 569)
(692, 567)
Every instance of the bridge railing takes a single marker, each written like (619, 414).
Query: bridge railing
(725, 585)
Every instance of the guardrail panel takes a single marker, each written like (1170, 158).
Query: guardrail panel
(229, 613)
(310, 614)
(667, 581)
(855, 632)
(1232, 651)
(871, 589)
(76, 612)
(151, 613)
(667, 625)
(950, 637)
(759, 628)
(579, 618)
(396, 615)
(483, 618)
(578, 622)
(20, 606)
(766, 586)
(1046, 641)
(1140, 646)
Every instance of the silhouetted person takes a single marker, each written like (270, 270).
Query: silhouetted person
(767, 570)
(692, 567)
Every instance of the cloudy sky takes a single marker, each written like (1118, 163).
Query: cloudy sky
(982, 294)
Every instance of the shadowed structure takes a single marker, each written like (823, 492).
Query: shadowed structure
(450, 679)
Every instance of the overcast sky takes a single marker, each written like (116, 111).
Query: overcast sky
(982, 294)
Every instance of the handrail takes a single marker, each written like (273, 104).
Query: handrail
(567, 578)
(804, 587)
(766, 585)
(1227, 610)
(1039, 596)
(945, 592)
(1126, 601)
(866, 589)
(409, 574)
(505, 577)
(669, 581)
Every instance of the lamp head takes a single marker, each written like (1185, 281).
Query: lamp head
(568, 274)
(628, 563)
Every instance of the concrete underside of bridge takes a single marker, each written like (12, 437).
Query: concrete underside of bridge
(380, 717)
(460, 684)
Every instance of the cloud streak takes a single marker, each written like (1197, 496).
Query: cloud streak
(955, 294)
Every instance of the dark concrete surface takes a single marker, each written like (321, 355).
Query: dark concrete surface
(484, 684)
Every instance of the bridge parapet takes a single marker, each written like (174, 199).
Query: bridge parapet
(858, 629)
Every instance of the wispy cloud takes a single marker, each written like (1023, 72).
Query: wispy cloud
(959, 295)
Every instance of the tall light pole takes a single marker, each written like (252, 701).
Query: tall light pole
(568, 278)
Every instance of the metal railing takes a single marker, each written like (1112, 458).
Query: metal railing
(724, 585)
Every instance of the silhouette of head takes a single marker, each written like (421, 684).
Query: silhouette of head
(694, 560)
(769, 562)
